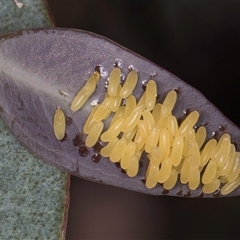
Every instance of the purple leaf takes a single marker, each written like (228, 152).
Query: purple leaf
(41, 70)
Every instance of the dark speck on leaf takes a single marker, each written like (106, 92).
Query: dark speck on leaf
(179, 193)
(83, 151)
(78, 140)
(68, 120)
(97, 147)
(165, 191)
(221, 128)
(96, 157)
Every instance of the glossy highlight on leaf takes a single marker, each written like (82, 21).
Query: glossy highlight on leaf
(38, 66)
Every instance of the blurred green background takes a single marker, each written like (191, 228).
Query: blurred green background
(200, 43)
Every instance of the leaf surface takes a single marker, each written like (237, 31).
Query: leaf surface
(34, 196)
(22, 14)
(38, 66)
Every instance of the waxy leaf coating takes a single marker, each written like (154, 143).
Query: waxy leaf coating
(41, 70)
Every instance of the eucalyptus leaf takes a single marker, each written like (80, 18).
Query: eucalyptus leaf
(42, 70)
(22, 14)
(34, 196)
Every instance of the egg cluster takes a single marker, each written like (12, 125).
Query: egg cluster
(175, 151)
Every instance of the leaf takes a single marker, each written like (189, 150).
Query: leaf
(37, 66)
(21, 14)
(34, 196)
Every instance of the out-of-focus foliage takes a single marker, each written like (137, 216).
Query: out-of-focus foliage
(33, 195)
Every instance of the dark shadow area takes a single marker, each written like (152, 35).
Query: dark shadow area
(199, 43)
